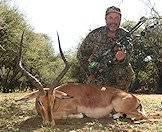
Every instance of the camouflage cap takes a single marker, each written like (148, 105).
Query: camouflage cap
(113, 9)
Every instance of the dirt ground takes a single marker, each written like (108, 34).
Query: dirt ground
(22, 117)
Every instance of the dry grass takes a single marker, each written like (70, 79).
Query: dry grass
(22, 117)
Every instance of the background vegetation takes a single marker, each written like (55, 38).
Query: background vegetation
(40, 59)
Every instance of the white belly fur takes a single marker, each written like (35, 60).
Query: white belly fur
(97, 112)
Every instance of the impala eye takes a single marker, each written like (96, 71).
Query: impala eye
(139, 108)
(40, 103)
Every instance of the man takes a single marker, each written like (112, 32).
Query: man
(104, 61)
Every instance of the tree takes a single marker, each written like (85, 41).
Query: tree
(145, 59)
(37, 50)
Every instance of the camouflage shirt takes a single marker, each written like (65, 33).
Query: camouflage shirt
(98, 47)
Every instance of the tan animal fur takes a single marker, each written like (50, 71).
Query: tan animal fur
(86, 99)
(72, 100)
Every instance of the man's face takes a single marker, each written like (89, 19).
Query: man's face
(113, 20)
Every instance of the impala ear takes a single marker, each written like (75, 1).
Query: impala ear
(61, 95)
(29, 96)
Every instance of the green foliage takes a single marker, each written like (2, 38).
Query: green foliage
(148, 75)
(38, 53)
(128, 24)
(75, 73)
(145, 58)
(40, 60)
(11, 27)
(38, 57)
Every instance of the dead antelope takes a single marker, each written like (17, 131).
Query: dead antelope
(72, 100)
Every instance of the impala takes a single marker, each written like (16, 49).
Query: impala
(72, 100)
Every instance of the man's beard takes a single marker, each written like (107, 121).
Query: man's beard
(113, 27)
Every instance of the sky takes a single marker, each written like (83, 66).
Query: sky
(74, 19)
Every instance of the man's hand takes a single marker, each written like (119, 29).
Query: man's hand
(120, 55)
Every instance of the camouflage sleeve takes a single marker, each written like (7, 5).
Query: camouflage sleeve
(84, 51)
